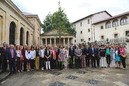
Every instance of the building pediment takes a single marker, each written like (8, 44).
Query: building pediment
(55, 33)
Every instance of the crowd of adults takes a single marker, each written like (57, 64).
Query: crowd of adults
(19, 58)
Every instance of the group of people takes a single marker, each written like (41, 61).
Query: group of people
(25, 58)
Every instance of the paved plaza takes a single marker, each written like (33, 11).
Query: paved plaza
(70, 77)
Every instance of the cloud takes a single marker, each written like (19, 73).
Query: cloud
(75, 9)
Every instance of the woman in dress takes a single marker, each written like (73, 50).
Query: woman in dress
(117, 58)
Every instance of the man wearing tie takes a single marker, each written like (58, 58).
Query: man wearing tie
(11, 58)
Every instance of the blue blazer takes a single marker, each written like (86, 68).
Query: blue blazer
(9, 54)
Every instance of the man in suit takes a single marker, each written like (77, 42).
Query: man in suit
(96, 55)
(4, 57)
(71, 54)
(11, 58)
(91, 55)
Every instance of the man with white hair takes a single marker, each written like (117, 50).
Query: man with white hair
(11, 58)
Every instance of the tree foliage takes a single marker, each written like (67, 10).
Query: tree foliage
(58, 20)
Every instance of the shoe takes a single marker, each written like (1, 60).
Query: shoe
(123, 68)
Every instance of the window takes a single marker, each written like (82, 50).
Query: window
(81, 40)
(115, 23)
(116, 35)
(102, 37)
(88, 30)
(80, 23)
(81, 32)
(88, 21)
(101, 27)
(88, 39)
(123, 21)
(108, 25)
(74, 40)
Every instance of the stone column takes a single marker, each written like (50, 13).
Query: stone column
(1, 29)
(64, 41)
(24, 37)
(46, 41)
(68, 41)
(50, 41)
(54, 41)
(17, 36)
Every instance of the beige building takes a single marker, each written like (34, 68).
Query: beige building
(17, 28)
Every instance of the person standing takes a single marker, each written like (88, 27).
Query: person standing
(33, 56)
(41, 58)
(71, 54)
(108, 57)
(102, 54)
(37, 58)
(78, 54)
(47, 55)
(4, 57)
(66, 57)
(12, 58)
(113, 64)
(123, 55)
(83, 59)
(28, 58)
(96, 55)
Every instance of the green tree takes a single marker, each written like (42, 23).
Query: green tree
(59, 21)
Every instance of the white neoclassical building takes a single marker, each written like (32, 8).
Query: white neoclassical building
(16, 27)
(84, 27)
(52, 38)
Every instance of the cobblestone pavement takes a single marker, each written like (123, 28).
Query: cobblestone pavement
(70, 77)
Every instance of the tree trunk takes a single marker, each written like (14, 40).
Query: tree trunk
(59, 37)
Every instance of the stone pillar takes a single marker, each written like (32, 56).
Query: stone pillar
(46, 41)
(1, 29)
(64, 41)
(54, 41)
(68, 41)
(50, 41)
(17, 36)
(24, 40)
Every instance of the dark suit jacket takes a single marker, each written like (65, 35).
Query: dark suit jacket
(9, 56)
(47, 54)
(71, 51)
(96, 52)
(90, 51)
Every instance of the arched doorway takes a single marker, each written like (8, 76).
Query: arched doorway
(21, 36)
(12, 33)
(27, 37)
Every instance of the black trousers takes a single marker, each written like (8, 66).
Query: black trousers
(32, 64)
(123, 61)
(77, 62)
(97, 60)
(4, 64)
(93, 62)
(88, 61)
(42, 63)
(108, 59)
(12, 65)
(71, 65)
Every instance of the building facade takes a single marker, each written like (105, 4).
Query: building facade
(52, 38)
(84, 28)
(15, 27)
(113, 30)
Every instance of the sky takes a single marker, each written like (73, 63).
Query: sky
(74, 9)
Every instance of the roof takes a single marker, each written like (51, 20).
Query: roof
(32, 15)
(91, 15)
(113, 17)
(55, 33)
(18, 11)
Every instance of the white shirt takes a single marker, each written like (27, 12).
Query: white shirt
(28, 55)
(18, 53)
(33, 54)
(41, 53)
